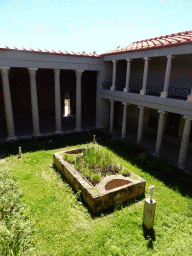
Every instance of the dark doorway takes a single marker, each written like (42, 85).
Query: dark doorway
(88, 94)
(172, 125)
(153, 122)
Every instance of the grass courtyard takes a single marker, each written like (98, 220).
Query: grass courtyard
(63, 226)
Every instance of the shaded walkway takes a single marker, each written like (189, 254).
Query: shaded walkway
(24, 126)
(168, 152)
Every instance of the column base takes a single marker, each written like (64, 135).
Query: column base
(189, 98)
(164, 94)
(59, 132)
(11, 138)
(112, 89)
(156, 154)
(37, 135)
(125, 90)
(138, 142)
(143, 91)
(181, 166)
(78, 130)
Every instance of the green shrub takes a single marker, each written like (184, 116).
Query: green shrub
(16, 229)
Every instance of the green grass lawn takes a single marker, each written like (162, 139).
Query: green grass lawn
(65, 227)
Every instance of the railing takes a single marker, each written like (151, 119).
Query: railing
(173, 92)
(154, 90)
(106, 85)
(135, 88)
(178, 93)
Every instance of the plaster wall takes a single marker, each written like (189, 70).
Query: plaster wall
(107, 72)
(121, 67)
(176, 50)
(136, 72)
(181, 71)
(16, 58)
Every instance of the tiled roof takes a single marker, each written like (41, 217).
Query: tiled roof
(156, 42)
(83, 53)
(147, 44)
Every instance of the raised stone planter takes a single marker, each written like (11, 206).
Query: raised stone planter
(111, 189)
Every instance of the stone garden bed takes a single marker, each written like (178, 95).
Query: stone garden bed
(100, 194)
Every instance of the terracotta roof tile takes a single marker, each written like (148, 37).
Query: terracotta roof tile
(180, 38)
(52, 51)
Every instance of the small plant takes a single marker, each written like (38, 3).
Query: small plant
(79, 195)
(96, 178)
(125, 172)
(118, 206)
(70, 158)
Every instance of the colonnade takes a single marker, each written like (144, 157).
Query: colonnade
(160, 130)
(164, 94)
(34, 102)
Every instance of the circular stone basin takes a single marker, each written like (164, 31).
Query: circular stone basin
(116, 183)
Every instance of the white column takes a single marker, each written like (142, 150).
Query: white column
(189, 98)
(8, 104)
(140, 124)
(164, 94)
(111, 116)
(124, 121)
(114, 75)
(78, 99)
(143, 91)
(160, 132)
(34, 102)
(57, 102)
(126, 89)
(184, 142)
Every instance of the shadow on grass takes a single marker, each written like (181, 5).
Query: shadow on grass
(150, 236)
(169, 174)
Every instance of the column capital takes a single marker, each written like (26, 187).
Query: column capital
(78, 72)
(146, 58)
(112, 100)
(169, 57)
(32, 71)
(57, 71)
(114, 61)
(142, 107)
(161, 112)
(124, 103)
(5, 70)
(188, 117)
(128, 60)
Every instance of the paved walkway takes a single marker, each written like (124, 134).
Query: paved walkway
(167, 151)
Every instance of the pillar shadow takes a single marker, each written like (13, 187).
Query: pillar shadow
(149, 235)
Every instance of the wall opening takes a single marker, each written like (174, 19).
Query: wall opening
(67, 107)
